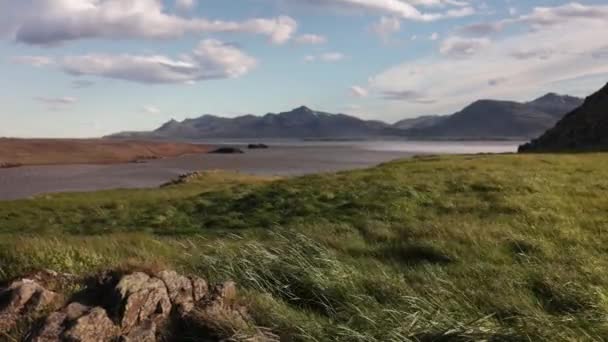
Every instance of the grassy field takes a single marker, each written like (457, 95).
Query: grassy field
(463, 248)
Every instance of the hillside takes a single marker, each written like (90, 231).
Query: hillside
(584, 129)
(18, 152)
(464, 248)
(486, 119)
(301, 122)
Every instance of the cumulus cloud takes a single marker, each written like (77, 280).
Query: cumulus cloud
(359, 91)
(462, 47)
(36, 61)
(386, 27)
(434, 36)
(325, 57)
(150, 109)
(48, 22)
(513, 66)
(185, 5)
(542, 18)
(310, 39)
(211, 59)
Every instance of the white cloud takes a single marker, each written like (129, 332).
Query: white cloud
(396, 8)
(150, 109)
(211, 59)
(56, 100)
(358, 91)
(434, 36)
(462, 47)
(325, 57)
(310, 39)
(36, 61)
(48, 22)
(518, 66)
(386, 27)
(185, 5)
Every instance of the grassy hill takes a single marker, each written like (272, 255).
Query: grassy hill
(496, 248)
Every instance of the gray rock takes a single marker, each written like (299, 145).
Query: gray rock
(144, 298)
(94, 326)
(23, 297)
(145, 332)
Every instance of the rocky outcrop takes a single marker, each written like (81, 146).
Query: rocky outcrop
(23, 297)
(127, 307)
(227, 150)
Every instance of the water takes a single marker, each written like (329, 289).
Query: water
(284, 158)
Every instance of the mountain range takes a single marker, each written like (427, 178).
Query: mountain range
(484, 119)
(583, 129)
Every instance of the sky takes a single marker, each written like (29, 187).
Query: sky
(86, 68)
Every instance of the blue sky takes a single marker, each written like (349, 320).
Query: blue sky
(85, 68)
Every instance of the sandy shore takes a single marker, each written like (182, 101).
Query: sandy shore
(18, 152)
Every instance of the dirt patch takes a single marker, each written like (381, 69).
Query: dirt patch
(19, 152)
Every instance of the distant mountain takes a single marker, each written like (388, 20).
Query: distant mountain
(491, 119)
(484, 119)
(583, 129)
(419, 122)
(301, 122)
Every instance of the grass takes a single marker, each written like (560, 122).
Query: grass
(463, 248)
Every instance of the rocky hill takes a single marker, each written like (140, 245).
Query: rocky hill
(583, 129)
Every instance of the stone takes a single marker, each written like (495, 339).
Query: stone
(22, 297)
(94, 326)
(200, 288)
(179, 289)
(145, 332)
(52, 328)
(144, 298)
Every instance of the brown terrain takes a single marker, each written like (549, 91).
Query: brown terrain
(18, 152)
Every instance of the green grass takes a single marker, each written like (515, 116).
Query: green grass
(498, 248)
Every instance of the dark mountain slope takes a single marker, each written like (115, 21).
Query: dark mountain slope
(583, 129)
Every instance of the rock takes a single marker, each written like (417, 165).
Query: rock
(199, 288)
(77, 322)
(51, 329)
(128, 308)
(227, 150)
(144, 298)
(257, 146)
(22, 297)
(180, 290)
(145, 332)
(94, 326)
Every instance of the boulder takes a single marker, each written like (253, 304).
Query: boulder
(93, 326)
(141, 298)
(23, 297)
(145, 332)
(76, 322)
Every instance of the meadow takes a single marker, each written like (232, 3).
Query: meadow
(458, 248)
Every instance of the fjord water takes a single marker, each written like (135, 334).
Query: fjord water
(283, 158)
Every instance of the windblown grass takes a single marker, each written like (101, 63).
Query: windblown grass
(497, 248)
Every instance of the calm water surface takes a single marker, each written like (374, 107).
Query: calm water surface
(284, 158)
